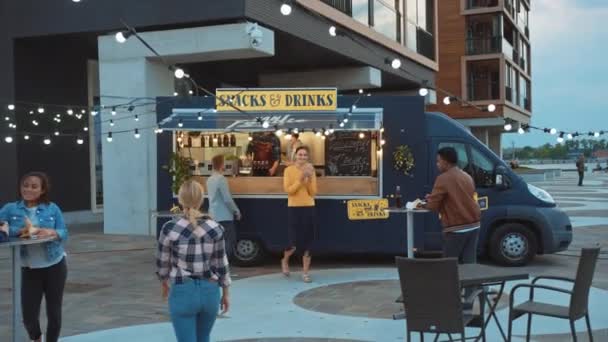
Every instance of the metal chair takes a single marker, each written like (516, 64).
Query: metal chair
(432, 298)
(579, 297)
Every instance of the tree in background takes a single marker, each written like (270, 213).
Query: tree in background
(568, 150)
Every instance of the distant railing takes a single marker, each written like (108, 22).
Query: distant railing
(480, 46)
(471, 4)
(344, 6)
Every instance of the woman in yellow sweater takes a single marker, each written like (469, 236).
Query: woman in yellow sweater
(300, 183)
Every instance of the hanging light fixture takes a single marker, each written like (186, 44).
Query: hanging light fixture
(8, 139)
(79, 141)
(136, 134)
(491, 108)
(47, 141)
(109, 137)
(553, 131)
(11, 107)
(332, 31)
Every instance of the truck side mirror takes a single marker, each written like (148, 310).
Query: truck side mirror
(502, 180)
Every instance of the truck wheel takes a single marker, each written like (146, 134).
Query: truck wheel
(513, 244)
(248, 252)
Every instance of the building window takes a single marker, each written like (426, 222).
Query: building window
(509, 82)
(386, 19)
(361, 11)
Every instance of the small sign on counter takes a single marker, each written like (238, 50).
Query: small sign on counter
(367, 209)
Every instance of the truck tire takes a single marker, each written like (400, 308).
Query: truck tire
(513, 244)
(248, 252)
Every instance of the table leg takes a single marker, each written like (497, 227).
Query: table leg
(410, 235)
(17, 327)
(492, 310)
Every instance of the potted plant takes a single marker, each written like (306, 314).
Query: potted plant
(179, 169)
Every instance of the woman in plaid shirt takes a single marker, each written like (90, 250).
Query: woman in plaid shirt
(192, 257)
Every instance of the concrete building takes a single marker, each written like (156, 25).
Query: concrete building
(484, 58)
(65, 53)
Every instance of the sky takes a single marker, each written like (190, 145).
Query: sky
(569, 68)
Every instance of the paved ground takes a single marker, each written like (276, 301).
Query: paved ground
(111, 285)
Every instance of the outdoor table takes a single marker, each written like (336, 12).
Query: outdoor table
(477, 275)
(14, 244)
(410, 225)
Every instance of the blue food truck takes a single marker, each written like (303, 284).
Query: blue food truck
(355, 144)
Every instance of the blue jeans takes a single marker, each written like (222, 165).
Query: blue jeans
(193, 307)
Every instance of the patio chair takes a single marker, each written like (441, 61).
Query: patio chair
(579, 297)
(432, 298)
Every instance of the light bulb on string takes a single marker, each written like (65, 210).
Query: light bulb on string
(570, 136)
(179, 73)
(113, 111)
(93, 112)
(361, 135)
(34, 122)
(109, 137)
(560, 139)
(508, 126)
(553, 131)
(286, 8)
(8, 139)
(382, 142)
(31, 112)
(79, 141)
(296, 130)
(353, 107)
(491, 108)
(395, 63)
(70, 112)
(111, 123)
(47, 141)
(11, 107)
(56, 133)
(323, 137)
(341, 124)
(520, 130)
(136, 134)
(190, 92)
(136, 117)
(82, 111)
(6, 118)
(288, 136)
(360, 91)
(596, 134)
(175, 93)
(318, 133)
(265, 124)
(85, 128)
(200, 117)
(332, 31)
(447, 101)
(180, 123)
(249, 137)
(423, 91)
(26, 137)
(122, 36)
(40, 110)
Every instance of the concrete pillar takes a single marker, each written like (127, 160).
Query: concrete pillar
(482, 134)
(129, 164)
(495, 143)
(343, 78)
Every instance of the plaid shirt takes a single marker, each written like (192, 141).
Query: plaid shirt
(197, 251)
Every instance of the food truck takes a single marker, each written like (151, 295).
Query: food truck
(362, 149)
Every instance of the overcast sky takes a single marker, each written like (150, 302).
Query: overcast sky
(569, 68)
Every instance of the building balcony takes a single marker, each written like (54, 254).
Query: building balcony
(489, 45)
(483, 80)
(344, 6)
(476, 4)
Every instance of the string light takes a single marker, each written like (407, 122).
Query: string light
(113, 111)
(122, 36)
(79, 141)
(136, 117)
(47, 141)
(508, 126)
(136, 134)
(200, 117)
(265, 124)
(249, 137)
(423, 91)
(111, 123)
(560, 139)
(93, 112)
(491, 108)
(109, 137)
(395, 63)
(180, 123)
(382, 142)
(553, 131)
(40, 110)
(70, 112)
(85, 128)
(361, 135)
(56, 133)
(26, 137)
(179, 73)
(521, 130)
(11, 107)
(570, 136)
(8, 139)
(6, 118)
(286, 8)
(296, 130)
(332, 31)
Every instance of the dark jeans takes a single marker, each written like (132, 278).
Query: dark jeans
(229, 237)
(462, 246)
(581, 175)
(37, 282)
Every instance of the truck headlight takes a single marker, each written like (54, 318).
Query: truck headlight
(540, 194)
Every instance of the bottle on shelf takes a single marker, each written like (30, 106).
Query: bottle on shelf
(226, 141)
(232, 140)
(211, 138)
(202, 140)
(398, 198)
(189, 141)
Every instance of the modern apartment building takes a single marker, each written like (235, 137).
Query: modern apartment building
(484, 58)
(64, 52)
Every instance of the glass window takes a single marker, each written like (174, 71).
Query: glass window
(412, 11)
(481, 169)
(385, 20)
(461, 150)
(361, 11)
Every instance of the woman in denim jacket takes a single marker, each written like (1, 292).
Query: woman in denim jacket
(44, 269)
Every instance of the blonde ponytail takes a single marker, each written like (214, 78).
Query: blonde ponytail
(191, 195)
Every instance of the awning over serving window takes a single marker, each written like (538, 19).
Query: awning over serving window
(205, 119)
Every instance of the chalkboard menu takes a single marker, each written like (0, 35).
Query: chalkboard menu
(346, 154)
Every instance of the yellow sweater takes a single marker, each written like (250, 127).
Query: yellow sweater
(299, 194)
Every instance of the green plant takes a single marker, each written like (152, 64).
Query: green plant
(403, 159)
(179, 169)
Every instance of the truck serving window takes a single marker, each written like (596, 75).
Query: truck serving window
(482, 169)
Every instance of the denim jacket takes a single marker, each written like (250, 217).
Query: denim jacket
(49, 216)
